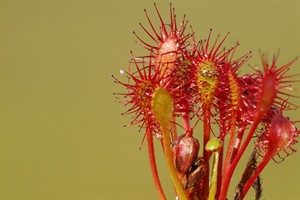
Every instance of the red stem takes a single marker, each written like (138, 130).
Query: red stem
(237, 143)
(229, 173)
(186, 121)
(259, 169)
(220, 168)
(206, 137)
(230, 144)
(152, 160)
(206, 129)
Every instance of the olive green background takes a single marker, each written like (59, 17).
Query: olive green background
(62, 135)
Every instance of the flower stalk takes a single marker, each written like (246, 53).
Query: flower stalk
(152, 160)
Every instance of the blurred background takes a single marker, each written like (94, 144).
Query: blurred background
(62, 135)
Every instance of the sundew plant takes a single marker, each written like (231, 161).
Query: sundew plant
(182, 82)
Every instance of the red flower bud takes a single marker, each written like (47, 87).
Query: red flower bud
(185, 152)
(278, 137)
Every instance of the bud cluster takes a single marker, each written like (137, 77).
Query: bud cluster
(182, 82)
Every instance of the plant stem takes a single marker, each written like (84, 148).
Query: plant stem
(169, 159)
(220, 172)
(230, 144)
(186, 122)
(237, 142)
(206, 154)
(213, 186)
(162, 107)
(258, 170)
(229, 173)
(152, 160)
